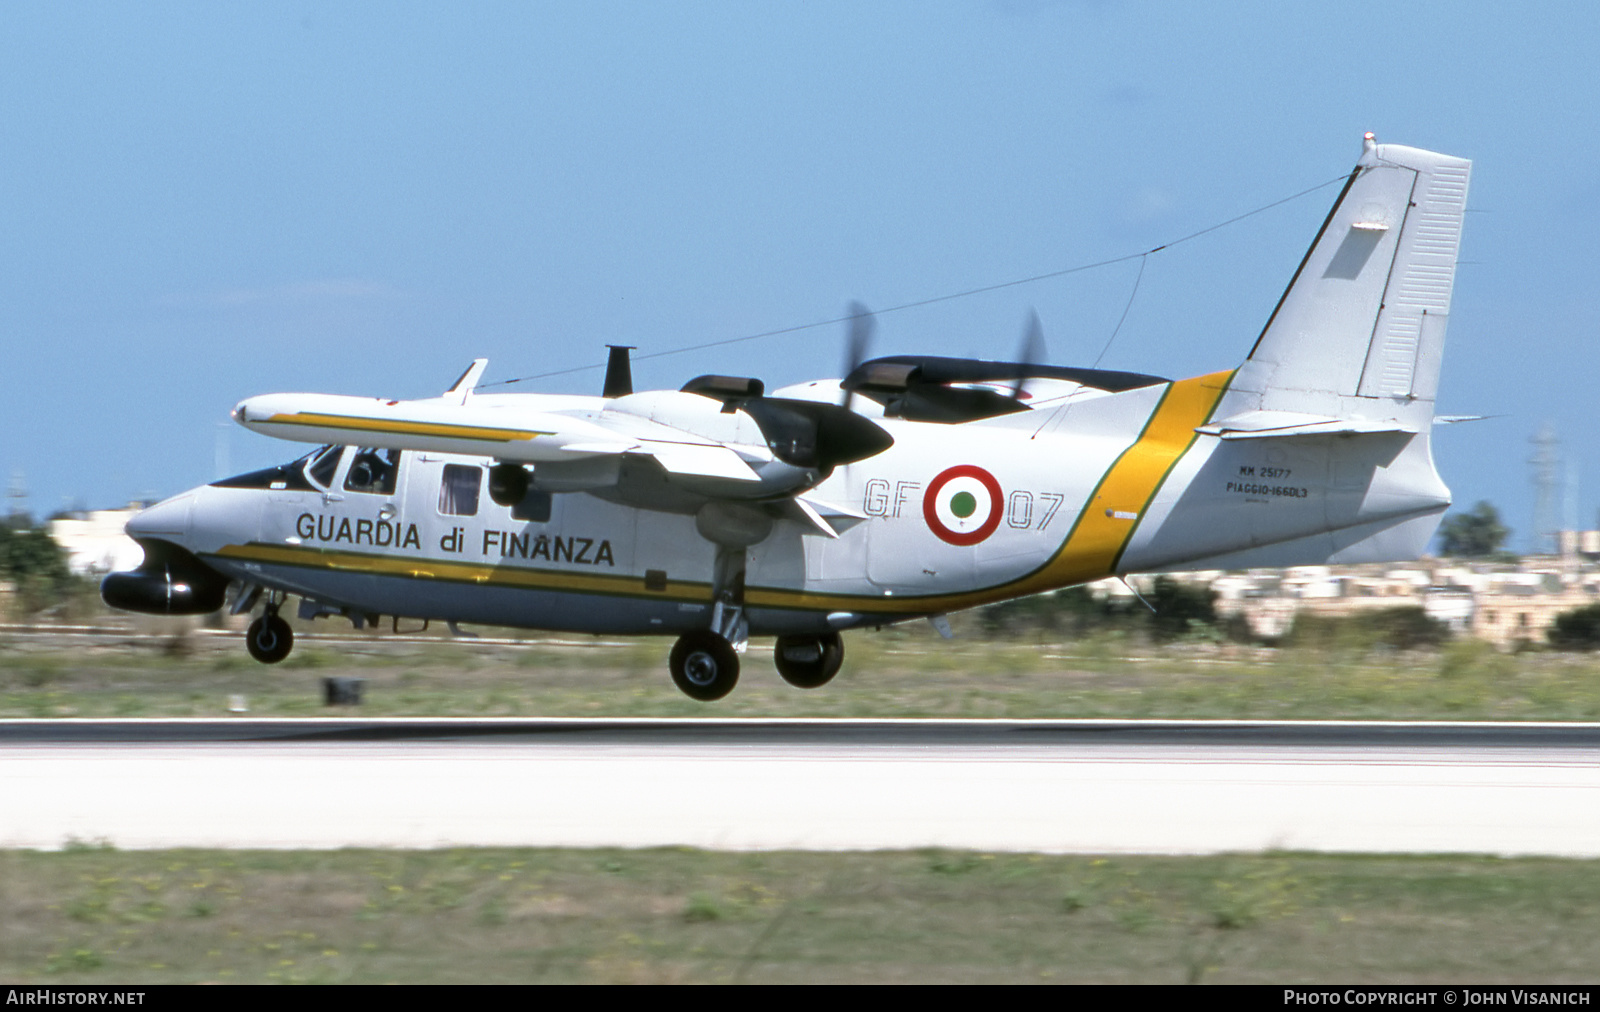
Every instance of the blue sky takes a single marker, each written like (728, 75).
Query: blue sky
(200, 202)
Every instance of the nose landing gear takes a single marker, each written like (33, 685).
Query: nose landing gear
(269, 638)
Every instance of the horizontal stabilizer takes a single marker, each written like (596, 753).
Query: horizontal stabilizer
(1271, 424)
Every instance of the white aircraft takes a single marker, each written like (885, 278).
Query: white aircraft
(914, 487)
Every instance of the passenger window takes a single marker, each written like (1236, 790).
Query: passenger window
(534, 507)
(323, 465)
(458, 491)
(373, 471)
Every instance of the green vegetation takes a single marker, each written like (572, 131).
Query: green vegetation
(1180, 609)
(1402, 628)
(94, 915)
(32, 561)
(1341, 672)
(1474, 534)
(1578, 629)
(1171, 611)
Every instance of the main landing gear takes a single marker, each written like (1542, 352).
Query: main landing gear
(808, 662)
(705, 666)
(269, 638)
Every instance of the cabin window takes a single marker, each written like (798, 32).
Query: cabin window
(323, 465)
(534, 507)
(458, 491)
(373, 471)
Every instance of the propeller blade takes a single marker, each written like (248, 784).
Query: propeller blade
(862, 325)
(1032, 352)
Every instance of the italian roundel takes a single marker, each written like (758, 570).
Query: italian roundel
(963, 505)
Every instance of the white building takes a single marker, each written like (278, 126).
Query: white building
(95, 542)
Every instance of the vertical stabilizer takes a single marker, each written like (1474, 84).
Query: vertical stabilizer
(1360, 331)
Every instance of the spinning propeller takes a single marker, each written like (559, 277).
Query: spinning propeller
(1032, 353)
(862, 326)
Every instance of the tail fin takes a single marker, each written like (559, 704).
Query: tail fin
(1359, 333)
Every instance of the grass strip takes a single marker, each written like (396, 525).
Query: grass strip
(92, 915)
(893, 673)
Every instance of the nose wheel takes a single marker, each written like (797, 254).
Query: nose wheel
(808, 662)
(269, 638)
(704, 665)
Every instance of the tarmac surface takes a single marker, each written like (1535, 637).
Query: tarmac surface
(1003, 785)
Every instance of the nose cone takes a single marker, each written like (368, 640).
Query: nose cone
(168, 518)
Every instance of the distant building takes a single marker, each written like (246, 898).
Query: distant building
(95, 542)
(1505, 603)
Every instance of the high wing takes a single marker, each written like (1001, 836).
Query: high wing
(719, 437)
(517, 428)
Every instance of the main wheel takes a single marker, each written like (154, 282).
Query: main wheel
(269, 639)
(809, 662)
(704, 665)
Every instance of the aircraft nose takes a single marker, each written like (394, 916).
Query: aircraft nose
(167, 518)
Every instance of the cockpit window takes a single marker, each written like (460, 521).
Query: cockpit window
(324, 464)
(373, 471)
(458, 490)
(284, 477)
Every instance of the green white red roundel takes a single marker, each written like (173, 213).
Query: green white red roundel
(963, 505)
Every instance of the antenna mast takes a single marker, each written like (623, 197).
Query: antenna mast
(1546, 461)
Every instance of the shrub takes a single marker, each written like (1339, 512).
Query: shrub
(1180, 608)
(1402, 628)
(1578, 629)
(32, 560)
(1072, 611)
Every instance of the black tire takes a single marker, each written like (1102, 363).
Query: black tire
(704, 666)
(809, 662)
(269, 639)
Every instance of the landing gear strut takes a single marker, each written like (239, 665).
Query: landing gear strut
(269, 638)
(704, 665)
(808, 662)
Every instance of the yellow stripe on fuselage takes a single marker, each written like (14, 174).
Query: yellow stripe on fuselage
(423, 568)
(439, 429)
(1100, 536)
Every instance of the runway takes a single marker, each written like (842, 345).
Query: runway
(1048, 786)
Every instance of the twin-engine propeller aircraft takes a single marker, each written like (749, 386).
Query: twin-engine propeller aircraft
(913, 487)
